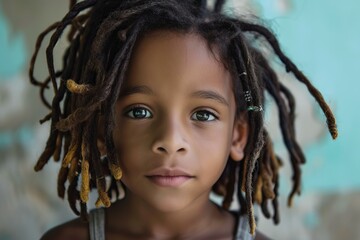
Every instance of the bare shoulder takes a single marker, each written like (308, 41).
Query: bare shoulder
(75, 229)
(261, 236)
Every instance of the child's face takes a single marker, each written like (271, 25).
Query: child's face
(176, 111)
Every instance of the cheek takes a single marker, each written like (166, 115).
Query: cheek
(213, 147)
(129, 136)
(215, 138)
(128, 148)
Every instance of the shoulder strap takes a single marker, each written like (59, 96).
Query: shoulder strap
(243, 229)
(97, 224)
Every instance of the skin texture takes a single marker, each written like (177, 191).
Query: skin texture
(175, 111)
(170, 67)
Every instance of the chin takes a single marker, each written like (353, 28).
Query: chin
(169, 204)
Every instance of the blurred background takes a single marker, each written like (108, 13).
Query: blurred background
(322, 37)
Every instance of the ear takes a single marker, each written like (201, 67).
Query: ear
(100, 142)
(239, 139)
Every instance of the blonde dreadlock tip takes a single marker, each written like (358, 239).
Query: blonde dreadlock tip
(69, 156)
(118, 175)
(116, 171)
(84, 197)
(85, 183)
(105, 199)
(73, 87)
(253, 230)
(84, 191)
(99, 203)
(107, 204)
(70, 84)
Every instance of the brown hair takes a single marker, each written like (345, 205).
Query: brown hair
(101, 38)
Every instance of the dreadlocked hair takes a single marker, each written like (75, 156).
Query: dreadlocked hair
(102, 35)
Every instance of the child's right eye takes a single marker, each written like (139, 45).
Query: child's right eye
(138, 113)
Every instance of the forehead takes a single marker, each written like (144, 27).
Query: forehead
(183, 59)
(164, 44)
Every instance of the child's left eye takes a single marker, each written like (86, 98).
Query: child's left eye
(203, 116)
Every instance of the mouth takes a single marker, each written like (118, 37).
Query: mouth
(164, 177)
(169, 181)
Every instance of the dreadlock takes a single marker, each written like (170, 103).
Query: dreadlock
(102, 35)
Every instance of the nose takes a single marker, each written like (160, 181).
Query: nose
(170, 138)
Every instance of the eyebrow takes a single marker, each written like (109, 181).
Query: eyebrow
(210, 95)
(136, 89)
(205, 94)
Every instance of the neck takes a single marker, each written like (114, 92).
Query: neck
(141, 217)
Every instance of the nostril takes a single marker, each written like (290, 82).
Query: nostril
(167, 149)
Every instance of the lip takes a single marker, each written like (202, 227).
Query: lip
(169, 177)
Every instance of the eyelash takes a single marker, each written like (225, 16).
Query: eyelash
(131, 114)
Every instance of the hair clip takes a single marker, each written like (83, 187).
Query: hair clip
(255, 108)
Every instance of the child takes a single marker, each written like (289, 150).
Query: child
(164, 99)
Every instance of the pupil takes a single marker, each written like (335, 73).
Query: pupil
(202, 115)
(139, 113)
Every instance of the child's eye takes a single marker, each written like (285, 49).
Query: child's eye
(138, 113)
(203, 116)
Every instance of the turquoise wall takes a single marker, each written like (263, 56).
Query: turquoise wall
(323, 38)
(12, 49)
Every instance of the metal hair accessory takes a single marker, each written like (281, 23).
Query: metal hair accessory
(247, 96)
(255, 108)
(243, 73)
(248, 99)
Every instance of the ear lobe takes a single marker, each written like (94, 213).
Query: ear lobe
(239, 140)
(100, 142)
